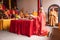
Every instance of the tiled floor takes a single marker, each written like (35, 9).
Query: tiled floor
(4, 35)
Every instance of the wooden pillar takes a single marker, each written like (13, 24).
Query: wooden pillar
(9, 4)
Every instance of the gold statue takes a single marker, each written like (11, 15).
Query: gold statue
(52, 17)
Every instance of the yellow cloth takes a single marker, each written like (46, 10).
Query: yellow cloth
(34, 13)
(6, 24)
(1, 24)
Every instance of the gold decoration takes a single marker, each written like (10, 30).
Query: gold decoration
(9, 4)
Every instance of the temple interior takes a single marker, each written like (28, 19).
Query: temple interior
(29, 19)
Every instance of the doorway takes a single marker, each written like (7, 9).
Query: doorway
(56, 9)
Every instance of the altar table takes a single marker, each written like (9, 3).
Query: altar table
(28, 27)
(23, 27)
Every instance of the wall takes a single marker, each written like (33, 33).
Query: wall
(47, 3)
(28, 5)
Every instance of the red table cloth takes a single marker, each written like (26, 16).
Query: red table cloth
(22, 27)
(12, 26)
(29, 27)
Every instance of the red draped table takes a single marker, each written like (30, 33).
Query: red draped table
(21, 27)
(28, 27)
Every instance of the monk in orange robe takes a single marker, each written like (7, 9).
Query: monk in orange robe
(21, 14)
(26, 15)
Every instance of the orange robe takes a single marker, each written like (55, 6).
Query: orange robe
(21, 14)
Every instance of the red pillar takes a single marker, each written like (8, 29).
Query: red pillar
(38, 6)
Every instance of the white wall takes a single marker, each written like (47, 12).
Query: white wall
(47, 3)
(28, 5)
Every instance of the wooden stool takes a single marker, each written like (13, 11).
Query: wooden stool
(59, 25)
